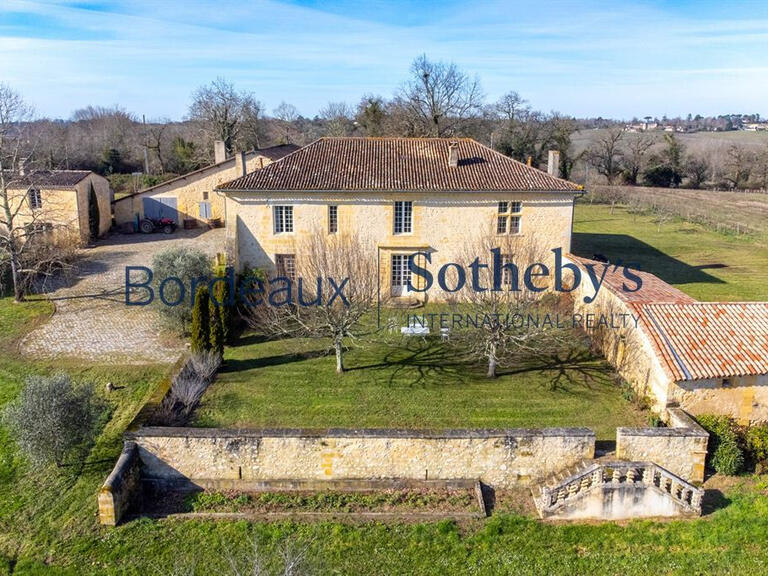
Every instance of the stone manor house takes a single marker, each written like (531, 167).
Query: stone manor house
(408, 194)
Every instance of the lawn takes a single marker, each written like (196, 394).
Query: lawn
(705, 264)
(419, 385)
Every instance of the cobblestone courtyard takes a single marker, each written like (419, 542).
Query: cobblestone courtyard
(92, 322)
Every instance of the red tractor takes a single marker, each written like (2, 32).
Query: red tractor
(165, 225)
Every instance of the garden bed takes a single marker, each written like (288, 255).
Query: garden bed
(376, 499)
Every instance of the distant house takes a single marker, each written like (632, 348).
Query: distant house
(407, 194)
(192, 196)
(706, 357)
(60, 199)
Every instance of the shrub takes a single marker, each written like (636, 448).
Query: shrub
(188, 387)
(222, 295)
(94, 216)
(724, 453)
(188, 265)
(205, 364)
(757, 445)
(216, 331)
(52, 418)
(201, 321)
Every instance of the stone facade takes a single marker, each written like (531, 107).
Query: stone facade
(122, 488)
(66, 208)
(498, 458)
(681, 448)
(744, 398)
(189, 191)
(444, 223)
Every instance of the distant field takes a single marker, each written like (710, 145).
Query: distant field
(734, 212)
(708, 265)
(695, 142)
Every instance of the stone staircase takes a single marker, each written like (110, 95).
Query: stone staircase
(607, 489)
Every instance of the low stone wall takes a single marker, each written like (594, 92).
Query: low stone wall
(681, 448)
(229, 457)
(122, 488)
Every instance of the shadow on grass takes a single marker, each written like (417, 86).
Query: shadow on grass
(632, 251)
(233, 365)
(575, 368)
(713, 501)
(420, 361)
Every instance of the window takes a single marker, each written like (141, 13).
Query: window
(333, 219)
(401, 274)
(286, 265)
(205, 210)
(283, 219)
(35, 199)
(508, 220)
(205, 195)
(506, 269)
(403, 217)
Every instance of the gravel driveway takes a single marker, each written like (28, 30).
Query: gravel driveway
(92, 322)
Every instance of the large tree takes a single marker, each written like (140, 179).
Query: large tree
(226, 114)
(607, 155)
(439, 98)
(334, 290)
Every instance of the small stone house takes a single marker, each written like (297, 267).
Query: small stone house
(706, 357)
(192, 196)
(60, 199)
(408, 194)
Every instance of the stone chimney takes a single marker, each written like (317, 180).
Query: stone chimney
(453, 154)
(553, 163)
(240, 169)
(219, 152)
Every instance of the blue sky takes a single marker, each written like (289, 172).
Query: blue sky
(611, 58)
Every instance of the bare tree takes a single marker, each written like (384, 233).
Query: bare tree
(226, 114)
(26, 218)
(439, 97)
(285, 115)
(500, 332)
(337, 119)
(335, 287)
(634, 160)
(606, 154)
(738, 166)
(697, 169)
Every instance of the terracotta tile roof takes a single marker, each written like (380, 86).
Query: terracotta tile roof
(277, 152)
(397, 164)
(50, 178)
(273, 153)
(653, 289)
(709, 339)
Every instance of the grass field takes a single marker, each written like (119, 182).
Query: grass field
(293, 384)
(703, 263)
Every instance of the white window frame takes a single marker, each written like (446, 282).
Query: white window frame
(403, 217)
(400, 274)
(35, 199)
(333, 218)
(282, 219)
(508, 212)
